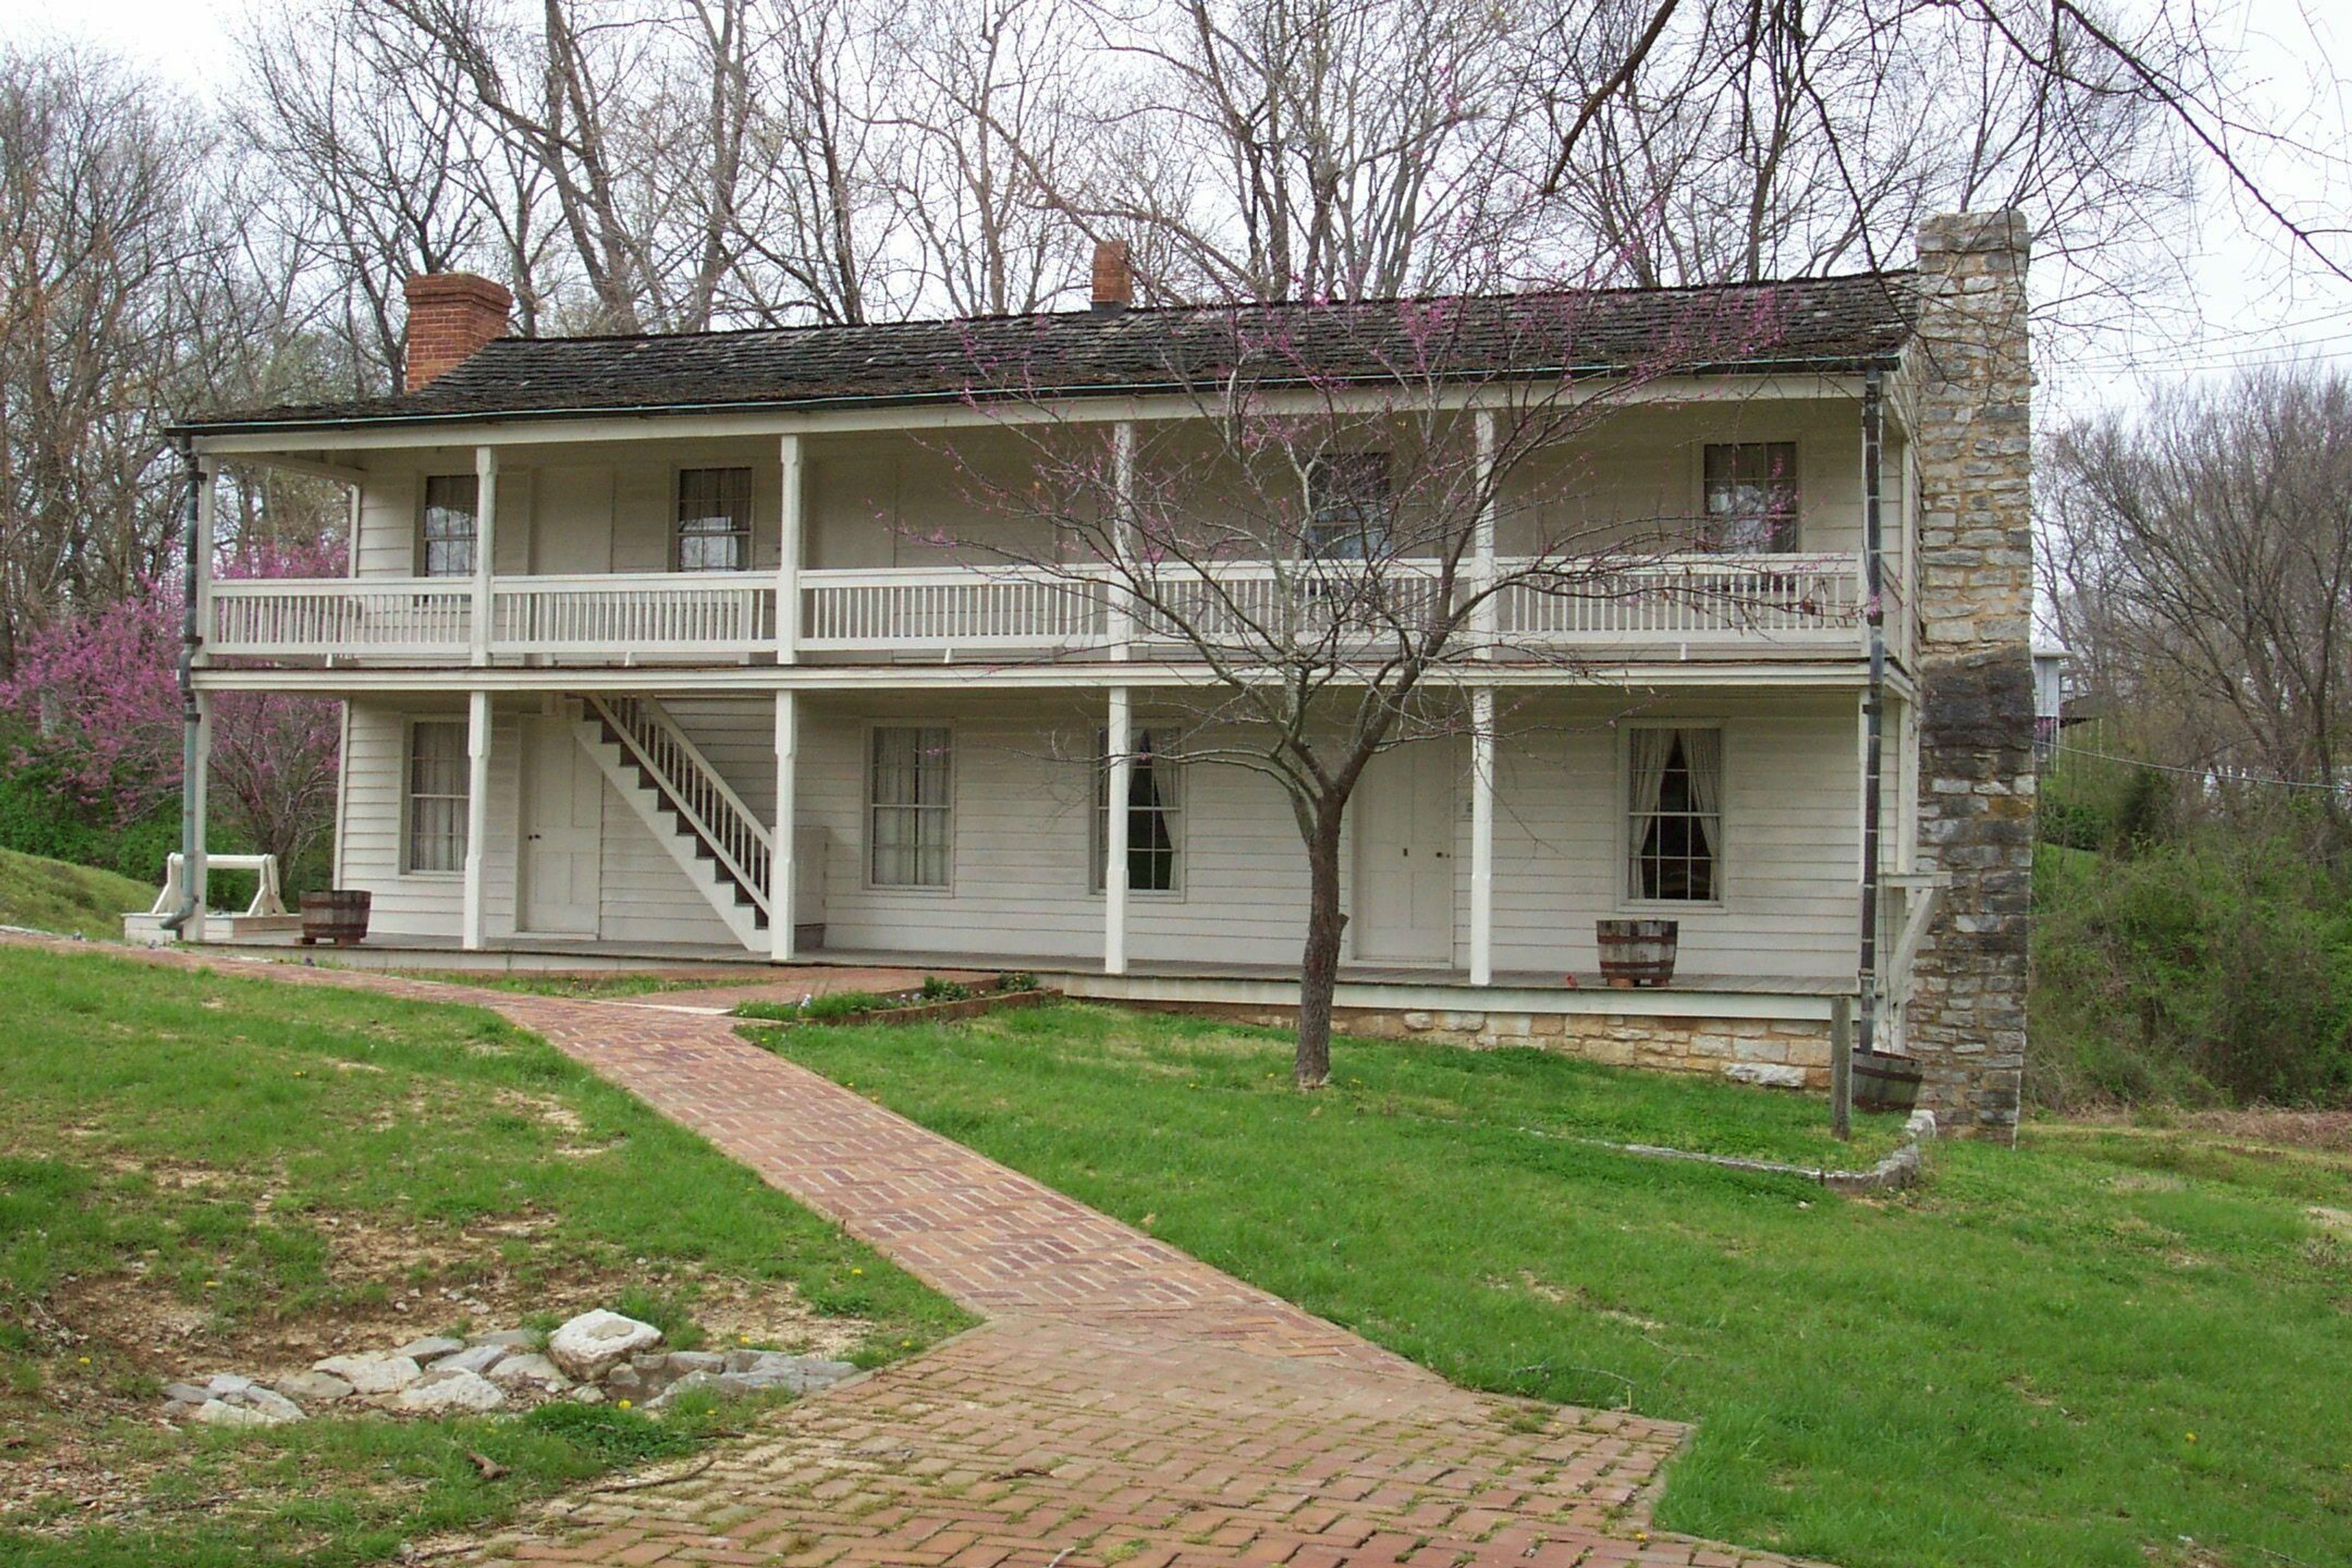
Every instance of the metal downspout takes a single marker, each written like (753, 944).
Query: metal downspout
(1874, 706)
(190, 716)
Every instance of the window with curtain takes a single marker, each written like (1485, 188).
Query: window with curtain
(907, 806)
(437, 775)
(1675, 829)
(1155, 806)
(1751, 496)
(714, 520)
(444, 545)
(1347, 506)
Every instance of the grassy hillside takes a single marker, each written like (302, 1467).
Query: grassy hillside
(49, 895)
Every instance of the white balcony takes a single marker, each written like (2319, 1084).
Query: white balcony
(1764, 607)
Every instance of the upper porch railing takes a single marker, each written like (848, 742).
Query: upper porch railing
(1716, 605)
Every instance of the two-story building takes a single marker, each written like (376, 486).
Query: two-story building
(672, 644)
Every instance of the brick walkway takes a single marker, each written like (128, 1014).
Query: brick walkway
(1124, 1402)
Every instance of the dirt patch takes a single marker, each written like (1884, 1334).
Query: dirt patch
(89, 1443)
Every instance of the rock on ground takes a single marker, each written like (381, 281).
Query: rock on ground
(474, 1359)
(439, 1391)
(527, 1371)
(376, 1373)
(312, 1387)
(591, 1344)
(431, 1348)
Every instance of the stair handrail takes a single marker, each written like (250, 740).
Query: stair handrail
(740, 840)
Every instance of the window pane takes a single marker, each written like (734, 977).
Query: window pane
(1347, 506)
(1675, 827)
(1752, 503)
(437, 781)
(1154, 817)
(714, 520)
(451, 506)
(908, 795)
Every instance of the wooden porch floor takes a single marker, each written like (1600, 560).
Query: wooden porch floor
(692, 960)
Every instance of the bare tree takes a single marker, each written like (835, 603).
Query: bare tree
(2203, 570)
(97, 186)
(990, 135)
(1310, 539)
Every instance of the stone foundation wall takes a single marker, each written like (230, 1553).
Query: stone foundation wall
(1780, 1053)
(1972, 376)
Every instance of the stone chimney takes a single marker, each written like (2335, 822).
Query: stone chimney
(450, 316)
(1114, 280)
(1971, 378)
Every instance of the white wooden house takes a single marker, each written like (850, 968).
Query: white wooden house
(677, 646)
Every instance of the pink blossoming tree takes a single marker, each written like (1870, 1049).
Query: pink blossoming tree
(96, 702)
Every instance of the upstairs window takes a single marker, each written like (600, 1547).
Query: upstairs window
(444, 542)
(714, 520)
(1154, 828)
(908, 807)
(1347, 506)
(1751, 496)
(438, 775)
(1675, 828)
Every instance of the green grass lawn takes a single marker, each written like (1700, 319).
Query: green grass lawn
(75, 900)
(265, 1165)
(2079, 1352)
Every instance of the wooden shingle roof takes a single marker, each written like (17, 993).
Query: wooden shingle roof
(1823, 324)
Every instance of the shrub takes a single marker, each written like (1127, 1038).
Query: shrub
(2216, 967)
(937, 990)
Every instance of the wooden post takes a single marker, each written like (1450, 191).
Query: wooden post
(477, 813)
(197, 871)
(1482, 836)
(1841, 1067)
(789, 550)
(1122, 542)
(1483, 621)
(1120, 745)
(782, 867)
(486, 545)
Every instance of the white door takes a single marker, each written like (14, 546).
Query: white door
(1404, 856)
(563, 830)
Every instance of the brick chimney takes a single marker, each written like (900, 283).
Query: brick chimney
(450, 316)
(1114, 281)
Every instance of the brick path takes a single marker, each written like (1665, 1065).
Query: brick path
(1123, 1403)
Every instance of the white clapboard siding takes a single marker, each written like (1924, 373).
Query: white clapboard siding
(1022, 835)
(372, 854)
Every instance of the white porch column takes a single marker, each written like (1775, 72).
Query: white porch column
(1483, 619)
(485, 544)
(789, 550)
(1120, 745)
(198, 785)
(1122, 543)
(1482, 836)
(477, 812)
(781, 868)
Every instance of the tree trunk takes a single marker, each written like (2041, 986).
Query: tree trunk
(1318, 970)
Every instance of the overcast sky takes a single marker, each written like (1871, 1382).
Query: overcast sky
(2256, 301)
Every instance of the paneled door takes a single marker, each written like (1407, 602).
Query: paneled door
(1403, 903)
(563, 831)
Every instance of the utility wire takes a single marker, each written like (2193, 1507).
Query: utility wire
(2224, 774)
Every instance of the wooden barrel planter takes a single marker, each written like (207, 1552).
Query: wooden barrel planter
(1883, 1082)
(339, 916)
(1637, 952)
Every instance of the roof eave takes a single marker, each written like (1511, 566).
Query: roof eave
(1887, 360)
